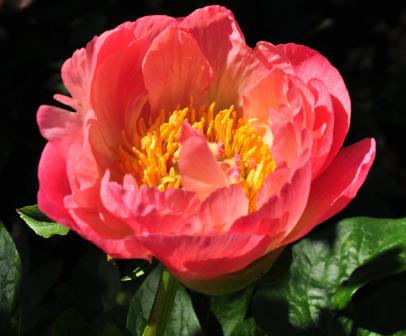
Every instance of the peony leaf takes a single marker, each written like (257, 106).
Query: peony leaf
(327, 269)
(230, 310)
(246, 328)
(182, 319)
(10, 275)
(41, 225)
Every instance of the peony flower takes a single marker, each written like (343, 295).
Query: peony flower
(189, 146)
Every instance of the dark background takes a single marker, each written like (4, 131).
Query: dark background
(365, 40)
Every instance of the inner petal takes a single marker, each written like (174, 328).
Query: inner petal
(152, 154)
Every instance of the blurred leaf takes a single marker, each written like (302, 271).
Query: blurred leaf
(141, 302)
(230, 310)
(10, 274)
(71, 323)
(38, 222)
(95, 283)
(182, 319)
(327, 268)
(246, 328)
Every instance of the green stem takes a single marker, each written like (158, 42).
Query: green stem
(162, 306)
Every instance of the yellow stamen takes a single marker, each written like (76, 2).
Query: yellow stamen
(152, 154)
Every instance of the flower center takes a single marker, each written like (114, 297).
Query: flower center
(152, 157)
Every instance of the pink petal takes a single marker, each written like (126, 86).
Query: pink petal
(284, 104)
(83, 172)
(309, 64)
(53, 183)
(222, 43)
(277, 216)
(204, 257)
(323, 127)
(273, 57)
(149, 26)
(283, 174)
(188, 131)
(336, 186)
(199, 169)
(78, 71)
(175, 70)
(269, 94)
(222, 208)
(92, 225)
(149, 210)
(117, 87)
(56, 123)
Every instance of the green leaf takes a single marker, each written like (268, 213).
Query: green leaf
(230, 310)
(10, 275)
(327, 269)
(41, 225)
(182, 319)
(246, 328)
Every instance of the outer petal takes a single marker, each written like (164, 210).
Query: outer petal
(323, 127)
(205, 257)
(175, 70)
(199, 169)
(270, 55)
(336, 187)
(147, 210)
(117, 87)
(78, 71)
(55, 123)
(53, 183)
(309, 64)
(125, 247)
(149, 26)
(222, 43)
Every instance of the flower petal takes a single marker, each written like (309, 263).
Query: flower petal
(336, 186)
(281, 206)
(56, 123)
(175, 70)
(117, 87)
(204, 257)
(53, 183)
(221, 41)
(199, 169)
(147, 210)
(78, 71)
(221, 209)
(309, 64)
(118, 245)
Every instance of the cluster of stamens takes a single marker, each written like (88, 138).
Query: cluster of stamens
(152, 156)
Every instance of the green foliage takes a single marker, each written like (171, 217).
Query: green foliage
(318, 295)
(39, 223)
(230, 310)
(182, 319)
(10, 276)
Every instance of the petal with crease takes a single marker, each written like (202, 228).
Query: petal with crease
(55, 122)
(199, 169)
(175, 70)
(204, 257)
(53, 184)
(336, 186)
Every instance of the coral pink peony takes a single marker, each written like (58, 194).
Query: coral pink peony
(189, 146)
